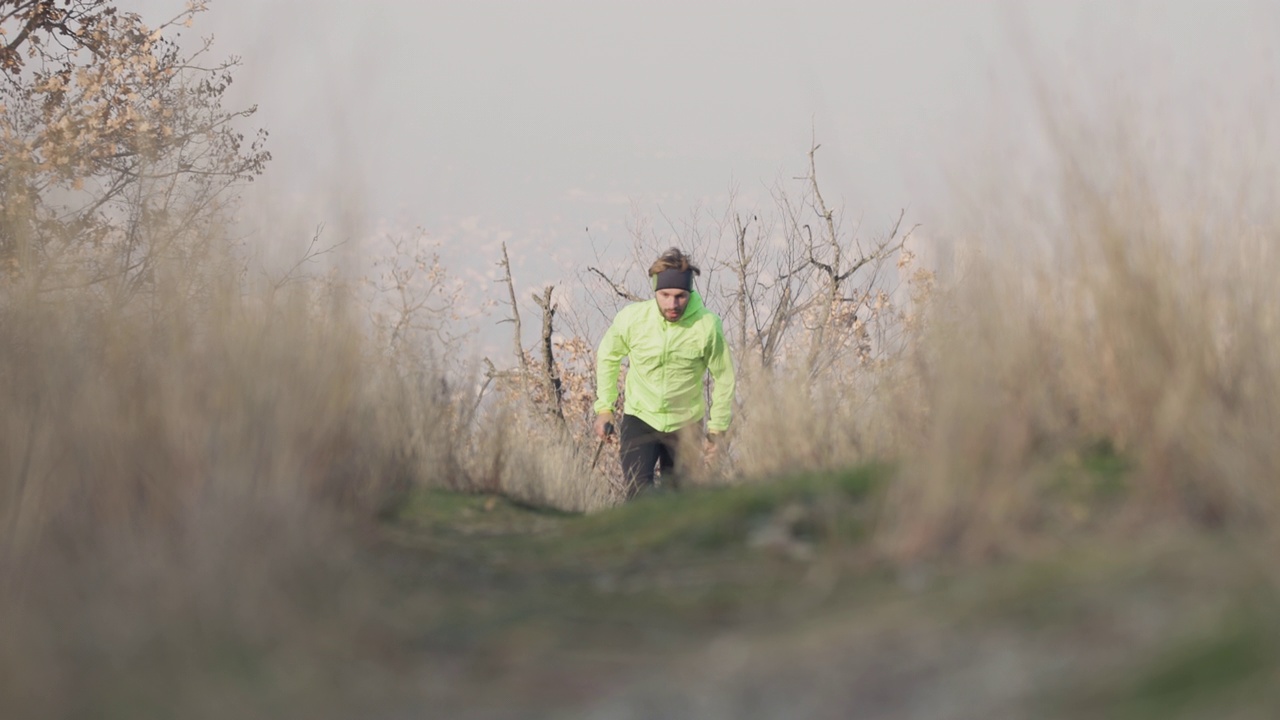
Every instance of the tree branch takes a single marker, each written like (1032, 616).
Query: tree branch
(621, 291)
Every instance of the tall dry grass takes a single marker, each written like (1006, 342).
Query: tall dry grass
(1129, 306)
(182, 480)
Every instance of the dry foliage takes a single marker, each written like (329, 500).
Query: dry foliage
(118, 158)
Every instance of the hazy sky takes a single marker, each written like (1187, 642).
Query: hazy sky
(531, 121)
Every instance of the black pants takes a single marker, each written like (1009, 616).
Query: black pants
(641, 448)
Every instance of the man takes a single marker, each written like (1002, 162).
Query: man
(672, 341)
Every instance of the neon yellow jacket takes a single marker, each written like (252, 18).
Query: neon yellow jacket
(668, 363)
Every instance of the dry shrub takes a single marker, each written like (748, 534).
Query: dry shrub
(862, 406)
(523, 452)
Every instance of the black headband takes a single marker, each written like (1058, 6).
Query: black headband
(673, 279)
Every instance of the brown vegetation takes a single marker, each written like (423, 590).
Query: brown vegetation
(185, 459)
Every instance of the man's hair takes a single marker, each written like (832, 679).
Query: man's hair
(673, 259)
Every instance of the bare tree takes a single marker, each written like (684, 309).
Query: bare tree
(550, 375)
(413, 301)
(796, 284)
(548, 378)
(824, 284)
(522, 361)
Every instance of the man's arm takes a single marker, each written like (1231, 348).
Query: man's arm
(613, 347)
(721, 367)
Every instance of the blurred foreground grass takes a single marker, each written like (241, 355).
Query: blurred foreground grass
(766, 601)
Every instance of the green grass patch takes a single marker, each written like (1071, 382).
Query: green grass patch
(820, 508)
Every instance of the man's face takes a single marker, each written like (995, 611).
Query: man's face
(672, 303)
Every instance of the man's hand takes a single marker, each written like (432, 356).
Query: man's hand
(604, 425)
(711, 446)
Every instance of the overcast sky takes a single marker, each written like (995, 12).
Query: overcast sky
(530, 121)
